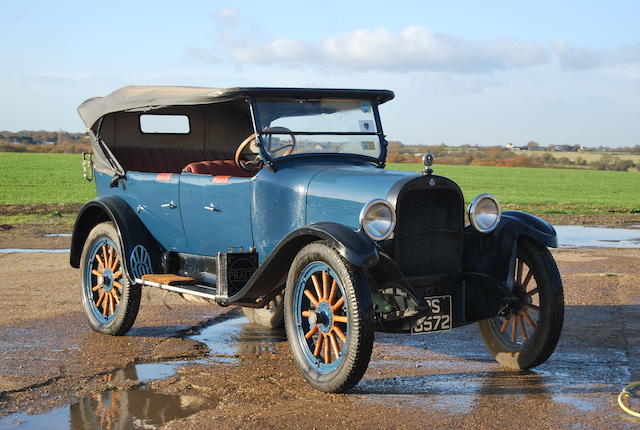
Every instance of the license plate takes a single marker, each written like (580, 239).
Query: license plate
(438, 320)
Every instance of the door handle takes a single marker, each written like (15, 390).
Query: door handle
(169, 205)
(212, 208)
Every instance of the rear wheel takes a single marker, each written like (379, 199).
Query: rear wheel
(109, 300)
(526, 333)
(328, 318)
(271, 316)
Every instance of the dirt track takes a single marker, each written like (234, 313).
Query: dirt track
(49, 359)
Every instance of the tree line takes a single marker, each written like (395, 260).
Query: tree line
(500, 156)
(44, 141)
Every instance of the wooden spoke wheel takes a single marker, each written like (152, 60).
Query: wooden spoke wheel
(526, 332)
(520, 321)
(326, 315)
(110, 303)
(328, 318)
(106, 271)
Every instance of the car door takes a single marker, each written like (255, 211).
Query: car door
(216, 213)
(155, 198)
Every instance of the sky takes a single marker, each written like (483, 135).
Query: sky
(464, 72)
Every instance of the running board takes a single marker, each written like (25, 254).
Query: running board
(194, 289)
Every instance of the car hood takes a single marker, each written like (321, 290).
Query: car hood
(352, 186)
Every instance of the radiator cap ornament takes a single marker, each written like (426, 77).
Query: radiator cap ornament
(427, 160)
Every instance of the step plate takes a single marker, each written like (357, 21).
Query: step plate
(194, 289)
(168, 279)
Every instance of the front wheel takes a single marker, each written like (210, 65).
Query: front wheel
(109, 300)
(328, 318)
(526, 333)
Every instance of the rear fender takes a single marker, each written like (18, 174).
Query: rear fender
(354, 246)
(131, 231)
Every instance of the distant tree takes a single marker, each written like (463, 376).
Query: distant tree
(395, 146)
(533, 144)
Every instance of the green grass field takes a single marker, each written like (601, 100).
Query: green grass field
(545, 190)
(43, 178)
(57, 179)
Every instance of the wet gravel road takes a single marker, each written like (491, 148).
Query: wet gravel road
(235, 375)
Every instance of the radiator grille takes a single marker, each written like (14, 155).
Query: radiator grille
(429, 232)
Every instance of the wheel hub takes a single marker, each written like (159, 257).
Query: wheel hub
(107, 280)
(323, 316)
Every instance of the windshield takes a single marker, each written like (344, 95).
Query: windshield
(318, 126)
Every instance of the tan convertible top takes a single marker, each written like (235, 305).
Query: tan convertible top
(114, 121)
(147, 97)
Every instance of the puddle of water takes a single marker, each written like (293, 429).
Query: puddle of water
(139, 408)
(151, 371)
(57, 235)
(130, 409)
(577, 236)
(119, 409)
(577, 403)
(236, 338)
(25, 250)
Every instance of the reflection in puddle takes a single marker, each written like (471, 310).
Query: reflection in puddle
(140, 408)
(576, 236)
(118, 409)
(23, 250)
(57, 235)
(114, 410)
(236, 338)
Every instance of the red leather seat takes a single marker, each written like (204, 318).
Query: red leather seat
(217, 168)
(170, 160)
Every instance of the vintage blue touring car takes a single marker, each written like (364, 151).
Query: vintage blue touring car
(277, 200)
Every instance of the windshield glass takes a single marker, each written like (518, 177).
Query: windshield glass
(318, 126)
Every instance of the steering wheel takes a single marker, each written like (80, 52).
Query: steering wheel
(289, 146)
(256, 164)
(246, 165)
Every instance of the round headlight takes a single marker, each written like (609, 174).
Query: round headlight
(378, 219)
(484, 213)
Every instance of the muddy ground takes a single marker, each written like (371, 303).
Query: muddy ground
(50, 359)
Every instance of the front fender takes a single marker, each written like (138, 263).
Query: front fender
(131, 230)
(354, 246)
(524, 224)
(492, 255)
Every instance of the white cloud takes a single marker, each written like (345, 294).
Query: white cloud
(417, 48)
(577, 57)
(240, 41)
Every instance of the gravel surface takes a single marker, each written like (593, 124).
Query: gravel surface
(51, 362)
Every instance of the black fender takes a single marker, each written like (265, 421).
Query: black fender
(525, 224)
(489, 259)
(355, 246)
(131, 231)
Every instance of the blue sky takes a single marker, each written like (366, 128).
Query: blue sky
(463, 72)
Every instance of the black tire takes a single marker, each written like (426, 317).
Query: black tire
(271, 316)
(350, 344)
(544, 291)
(125, 297)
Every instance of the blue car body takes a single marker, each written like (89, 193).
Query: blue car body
(252, 212)
(186, 221)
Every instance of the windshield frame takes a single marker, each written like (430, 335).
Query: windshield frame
(270, 161)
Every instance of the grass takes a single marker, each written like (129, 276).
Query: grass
(43, 178)
(56, 179)
(545, 190)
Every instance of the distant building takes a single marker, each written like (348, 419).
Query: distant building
(566, 148)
